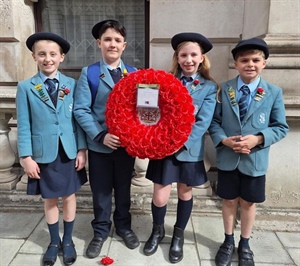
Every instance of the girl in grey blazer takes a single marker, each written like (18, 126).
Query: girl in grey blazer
(185, 167)
(51, 145)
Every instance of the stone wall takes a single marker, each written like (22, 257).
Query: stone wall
(224, 22)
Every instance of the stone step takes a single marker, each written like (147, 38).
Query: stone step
(205, 201)
(204, 205)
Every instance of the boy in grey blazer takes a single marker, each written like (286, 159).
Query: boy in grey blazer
(110, 166)
(248, 119)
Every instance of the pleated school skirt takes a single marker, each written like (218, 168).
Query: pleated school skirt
(58, 179)
(169, 170)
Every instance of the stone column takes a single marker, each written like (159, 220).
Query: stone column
(17, 23)
(140, 168)
(8, 179)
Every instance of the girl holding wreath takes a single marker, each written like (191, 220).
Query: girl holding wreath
(185, 167)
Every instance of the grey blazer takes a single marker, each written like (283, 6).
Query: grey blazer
(92, 117)
(265, 115)
(204, 99)
(41, 125)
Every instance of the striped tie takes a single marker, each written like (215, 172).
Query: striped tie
(185, 80)
(52, 91)
(243, 102)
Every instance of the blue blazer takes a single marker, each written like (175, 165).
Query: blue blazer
(204, 99)
(41, 125)
(265, 115)
(92, 117)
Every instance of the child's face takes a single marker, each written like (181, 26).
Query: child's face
(189, 58)
(250, 65)
(48, 56)
(112, 45)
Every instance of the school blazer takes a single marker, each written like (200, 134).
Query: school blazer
(204, 100)
(265, 116)
(92, 117)
(41, 125)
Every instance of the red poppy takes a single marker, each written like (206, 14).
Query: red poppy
(260, 90)
(176, 115)
(107, 261)
(196, 81)
(67, 91)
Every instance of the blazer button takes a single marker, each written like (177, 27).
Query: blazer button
(56, 123)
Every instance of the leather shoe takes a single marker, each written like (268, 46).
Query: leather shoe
(94, 247)
(130, 239)
(50, 255)
(245, 257)
(69, 253)
(224, 254)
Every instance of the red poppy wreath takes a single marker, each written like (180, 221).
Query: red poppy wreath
(176, 115)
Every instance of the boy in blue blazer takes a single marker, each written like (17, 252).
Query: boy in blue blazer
(248, 119)
(51, 144)
(110, 166)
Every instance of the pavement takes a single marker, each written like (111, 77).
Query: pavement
(24, 238)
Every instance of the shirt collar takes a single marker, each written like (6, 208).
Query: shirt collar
(44, 77)
(109, 67)
(193, 76)
(252, 86)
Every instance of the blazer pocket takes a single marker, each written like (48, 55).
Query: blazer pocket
(260, 119)
(261, 159)
(37, 146)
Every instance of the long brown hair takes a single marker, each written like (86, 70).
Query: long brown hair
(203, 68)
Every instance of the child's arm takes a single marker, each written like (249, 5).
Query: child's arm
(80, 159)
(31, 168)
(111, 141)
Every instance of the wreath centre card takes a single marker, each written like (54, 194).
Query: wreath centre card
(147, 95)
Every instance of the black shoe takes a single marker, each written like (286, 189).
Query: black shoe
(50, 255)
(69, 253)
(130, 239)
(245, 257)
(176, 248)
(158, 233)
(224, 254)
(94, 247)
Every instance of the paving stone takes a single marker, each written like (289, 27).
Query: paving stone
(25, 238)
(18, 225)
(295, 254)
(9, 249)
(289, 239)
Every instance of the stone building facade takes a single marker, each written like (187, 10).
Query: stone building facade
(224, 22)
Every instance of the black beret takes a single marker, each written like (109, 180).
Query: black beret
(254, 43)
(65, 46)
(97, 27)
(191, 37)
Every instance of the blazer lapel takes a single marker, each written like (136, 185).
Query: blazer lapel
(230, 93)
(39, 89)
(256, 102)
(63, 84)
(196, 85)
(105, 75)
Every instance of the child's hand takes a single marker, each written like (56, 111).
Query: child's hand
(80, 160)
(111, 141)
(230, 141)
(31, 168)
(246, 143)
